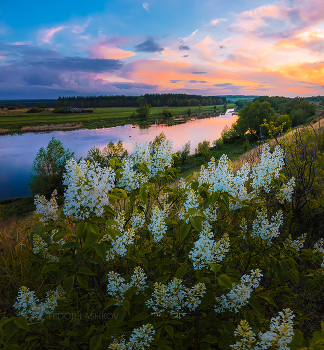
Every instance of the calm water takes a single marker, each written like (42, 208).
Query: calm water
(17, 152)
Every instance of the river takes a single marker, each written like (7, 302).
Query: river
(17, 152)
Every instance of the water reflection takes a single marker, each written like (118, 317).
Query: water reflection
(17, 152)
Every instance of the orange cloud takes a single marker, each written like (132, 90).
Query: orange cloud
(111, 52)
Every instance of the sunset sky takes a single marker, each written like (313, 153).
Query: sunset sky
(129, 47)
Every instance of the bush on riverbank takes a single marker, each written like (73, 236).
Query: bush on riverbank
(133, 263)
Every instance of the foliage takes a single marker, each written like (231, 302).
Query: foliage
(252, 115)
(184, 153)
(229, 135)
(205, 264)
(155, 100)
(48, 168)
(68, 110)
(203, 148)
(35, 110)
(144, 110)
(285, 121)
(111, 151)
(167, 113)
(218, 143)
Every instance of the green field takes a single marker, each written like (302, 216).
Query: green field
(13, 121)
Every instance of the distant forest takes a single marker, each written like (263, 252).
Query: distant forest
(155, 100)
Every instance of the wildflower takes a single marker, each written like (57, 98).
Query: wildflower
(267, 229)
(87, 187)
(268, 169)
(117, 287)
(286, 191)
(174, 298)
(137, 220)
(40, 247)
(248, 337)
(240, 293)
(49, 210)
(140, 339)
(158, 226)
(29, 306)
(207, 251)
(296, 244)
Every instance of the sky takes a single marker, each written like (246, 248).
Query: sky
(130, 47)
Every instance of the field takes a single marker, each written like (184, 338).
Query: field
(14, 121)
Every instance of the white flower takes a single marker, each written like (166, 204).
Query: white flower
(267, 229)
(29, 306)
(49, 210)
(140, 339)
(174, 298)
(158, 227)
(117, 287)
(87, 190)
(40, 247)
(131, 179)
(268, 169)
(207, 251)
(286, 191)
(137, 220)
(296, 244)
(240, 293)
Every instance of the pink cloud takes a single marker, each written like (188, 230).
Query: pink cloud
(48, 34)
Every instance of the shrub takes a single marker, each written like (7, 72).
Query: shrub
(203, 148)
(206, 264)
(167, 113)
(144, 110)
(218, 143)
(285, 121)
(48, 168)
(35, 110)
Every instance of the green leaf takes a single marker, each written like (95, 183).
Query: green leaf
(100, 249)
(131, 291)
(111, 222)
(162, 279)
(91, 239)
(86, 271)
(196, 222)
(120, 313)
(225, 280)
(284, 265)
(256, 305)
(215, 197)
(309, 283)
(195, 185)
(169, 330)
(298, 337)
(140, 317)
(68, 284)
(59, 235)
(80, 229)
(10, 330)
(211, 339)
(112, 233)
(215, 267)
(184, 230)
(82, 282)
(126, 305)
(181, 272)
(21, 322)
(95, 342)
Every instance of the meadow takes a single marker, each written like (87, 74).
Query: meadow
(14, 121)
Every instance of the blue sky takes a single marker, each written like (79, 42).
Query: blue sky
(51, 49)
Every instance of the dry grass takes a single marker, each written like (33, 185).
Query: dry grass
(52, 127)
(3, 131)
(14, 255)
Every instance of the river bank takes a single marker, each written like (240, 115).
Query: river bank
(12, 122)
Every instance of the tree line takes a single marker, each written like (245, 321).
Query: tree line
(155, 100)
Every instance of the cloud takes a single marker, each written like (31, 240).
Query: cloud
(132, 86)
(149, 46)
(184, 47)
(217, 20)
(146, 6)
(185, 55)
(49, 33)
(221, 47)
(198, 72)
(95, 65)
(174, 81)
(198, 81)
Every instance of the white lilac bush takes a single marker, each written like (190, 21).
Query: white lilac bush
(207, 264)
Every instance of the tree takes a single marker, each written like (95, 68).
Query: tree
(252, 116)
(48, 168)
(203, 148)
(167, 113)
(144, 110)
(111, 151)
